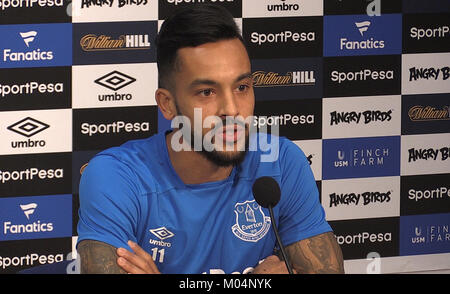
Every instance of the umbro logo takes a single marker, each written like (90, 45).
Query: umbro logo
(28, 127)
(115, 80)
(162, 233)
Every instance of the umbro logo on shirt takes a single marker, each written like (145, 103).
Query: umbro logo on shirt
(162, 233)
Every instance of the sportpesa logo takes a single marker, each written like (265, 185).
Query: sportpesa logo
(282, 37)
(364, 238)
(421, 33)
(421, 195)
(30, 174)
(283, 119)
(30, 88)
(362, 75)
(29, 260)
(5, 4)
(114, 128)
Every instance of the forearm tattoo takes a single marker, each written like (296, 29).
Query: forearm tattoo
(98, 258)
(319, 254)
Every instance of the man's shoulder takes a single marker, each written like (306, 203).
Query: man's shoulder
(132, 148)
(135, 160)
(269, 155)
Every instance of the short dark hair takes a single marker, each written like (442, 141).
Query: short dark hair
(190, 27)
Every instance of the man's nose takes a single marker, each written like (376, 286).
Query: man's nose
(229, 106)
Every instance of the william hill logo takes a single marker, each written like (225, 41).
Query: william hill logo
(428, 113)
(92, 42)
(273, 79)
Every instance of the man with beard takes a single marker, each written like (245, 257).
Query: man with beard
(168, 204)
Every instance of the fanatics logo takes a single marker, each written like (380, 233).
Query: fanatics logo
(28, 37)
(346, 35)
(162, 233)
(115, 80)
(34, 45)
(28, 127)
(362, 26)
(45, 223)
(35, 55)
(28, 209)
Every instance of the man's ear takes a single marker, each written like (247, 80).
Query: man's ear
(166, 103)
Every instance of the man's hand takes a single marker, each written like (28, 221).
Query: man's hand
(139, 262)
(271, 265)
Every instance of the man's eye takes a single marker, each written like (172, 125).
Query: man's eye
(206, 92)
(242, 88)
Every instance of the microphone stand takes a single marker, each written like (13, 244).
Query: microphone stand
(283, 252)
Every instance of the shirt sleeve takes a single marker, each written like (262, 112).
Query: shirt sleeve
(301, 213)
(109, 205)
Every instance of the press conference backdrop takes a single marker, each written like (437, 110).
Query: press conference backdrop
(361, 86)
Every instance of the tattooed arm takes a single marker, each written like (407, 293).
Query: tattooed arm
(101, 258)
(319, 254)
(98, 258)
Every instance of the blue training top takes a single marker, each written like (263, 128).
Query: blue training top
(132, 192)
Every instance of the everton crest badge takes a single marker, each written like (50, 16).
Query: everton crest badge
(251, 223)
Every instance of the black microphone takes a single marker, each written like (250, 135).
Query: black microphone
(267, 194)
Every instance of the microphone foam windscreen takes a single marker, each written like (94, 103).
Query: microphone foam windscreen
(266, 191)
